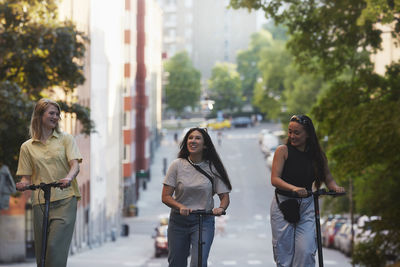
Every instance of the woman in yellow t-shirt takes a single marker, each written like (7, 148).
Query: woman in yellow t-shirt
(51, 156)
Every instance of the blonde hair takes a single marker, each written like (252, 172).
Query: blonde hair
(35, 129)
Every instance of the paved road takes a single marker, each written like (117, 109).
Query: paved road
(247, 237)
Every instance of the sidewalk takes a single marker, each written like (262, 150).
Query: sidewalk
(137, 248)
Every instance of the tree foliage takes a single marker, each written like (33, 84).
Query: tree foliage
(225, 87)
(37, 53)
(247, 61)
(335, 39)
(301, 92)
(183, 88)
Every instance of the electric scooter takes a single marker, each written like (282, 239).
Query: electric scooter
(316, 195)
(47, 193)
(201, 214)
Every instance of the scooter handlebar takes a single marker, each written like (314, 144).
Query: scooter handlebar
(318, 192)
(42, 185)
(205, 212)
(323, 191)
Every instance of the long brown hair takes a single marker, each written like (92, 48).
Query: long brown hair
(209, 153)
(35, 129)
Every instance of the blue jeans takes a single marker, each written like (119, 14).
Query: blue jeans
(183, 236)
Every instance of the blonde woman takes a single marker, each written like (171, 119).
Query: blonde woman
(51, 156)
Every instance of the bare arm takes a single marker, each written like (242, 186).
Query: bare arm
(280, 156)
(330, 182)
(223, 205)
(167, 199)
(73, 172)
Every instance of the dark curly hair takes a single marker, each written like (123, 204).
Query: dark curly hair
(209, 153)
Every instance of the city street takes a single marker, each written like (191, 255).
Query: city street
(246, 240)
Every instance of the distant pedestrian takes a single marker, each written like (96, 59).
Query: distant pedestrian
(219, 137)
(51, 156)
(186, 189)
(296, 166)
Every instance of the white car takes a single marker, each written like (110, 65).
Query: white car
(261, 135)
(270, 158)
(343, 239)
(269, 143)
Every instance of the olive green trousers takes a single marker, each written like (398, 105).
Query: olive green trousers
(62, 216)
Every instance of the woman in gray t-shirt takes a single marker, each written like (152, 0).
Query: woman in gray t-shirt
(186, 189)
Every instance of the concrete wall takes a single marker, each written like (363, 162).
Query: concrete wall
(153, 58)
(390, 51)
(106, 50)
(79, 12)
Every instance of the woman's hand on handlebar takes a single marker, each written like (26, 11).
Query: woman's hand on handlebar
(22, 186)
(300, 191)
(184, 211)
(218, 211)
(338, 189)
(66, 182)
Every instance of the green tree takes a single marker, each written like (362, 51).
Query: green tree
(247, 61)
(37, 53)
(183, 88)
(225, 87)
(336, 38)
(385, 11)
(278, 32)
(268, 90)
(301, 92)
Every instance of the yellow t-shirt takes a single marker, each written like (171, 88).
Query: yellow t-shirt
(49, 162)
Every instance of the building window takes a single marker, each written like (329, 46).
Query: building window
(189, 18)
(188, 3)
(126, 119)
(126, 155)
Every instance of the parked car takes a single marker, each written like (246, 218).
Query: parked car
(242, 122)
(363, 230)
(218, 124)
(161, 241)
(342, 239)
(269, 143)
(330, 228)
(261, 135)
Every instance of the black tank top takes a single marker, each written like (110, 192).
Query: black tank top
(298, 168)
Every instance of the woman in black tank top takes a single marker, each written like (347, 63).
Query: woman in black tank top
(296, 166)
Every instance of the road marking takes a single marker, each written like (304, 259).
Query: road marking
(262, 236)
(242, 136)
(328, 262)
(258, 217)
(254, 262)
(230, 263)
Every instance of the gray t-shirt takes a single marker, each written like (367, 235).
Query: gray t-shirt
(192, 188)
